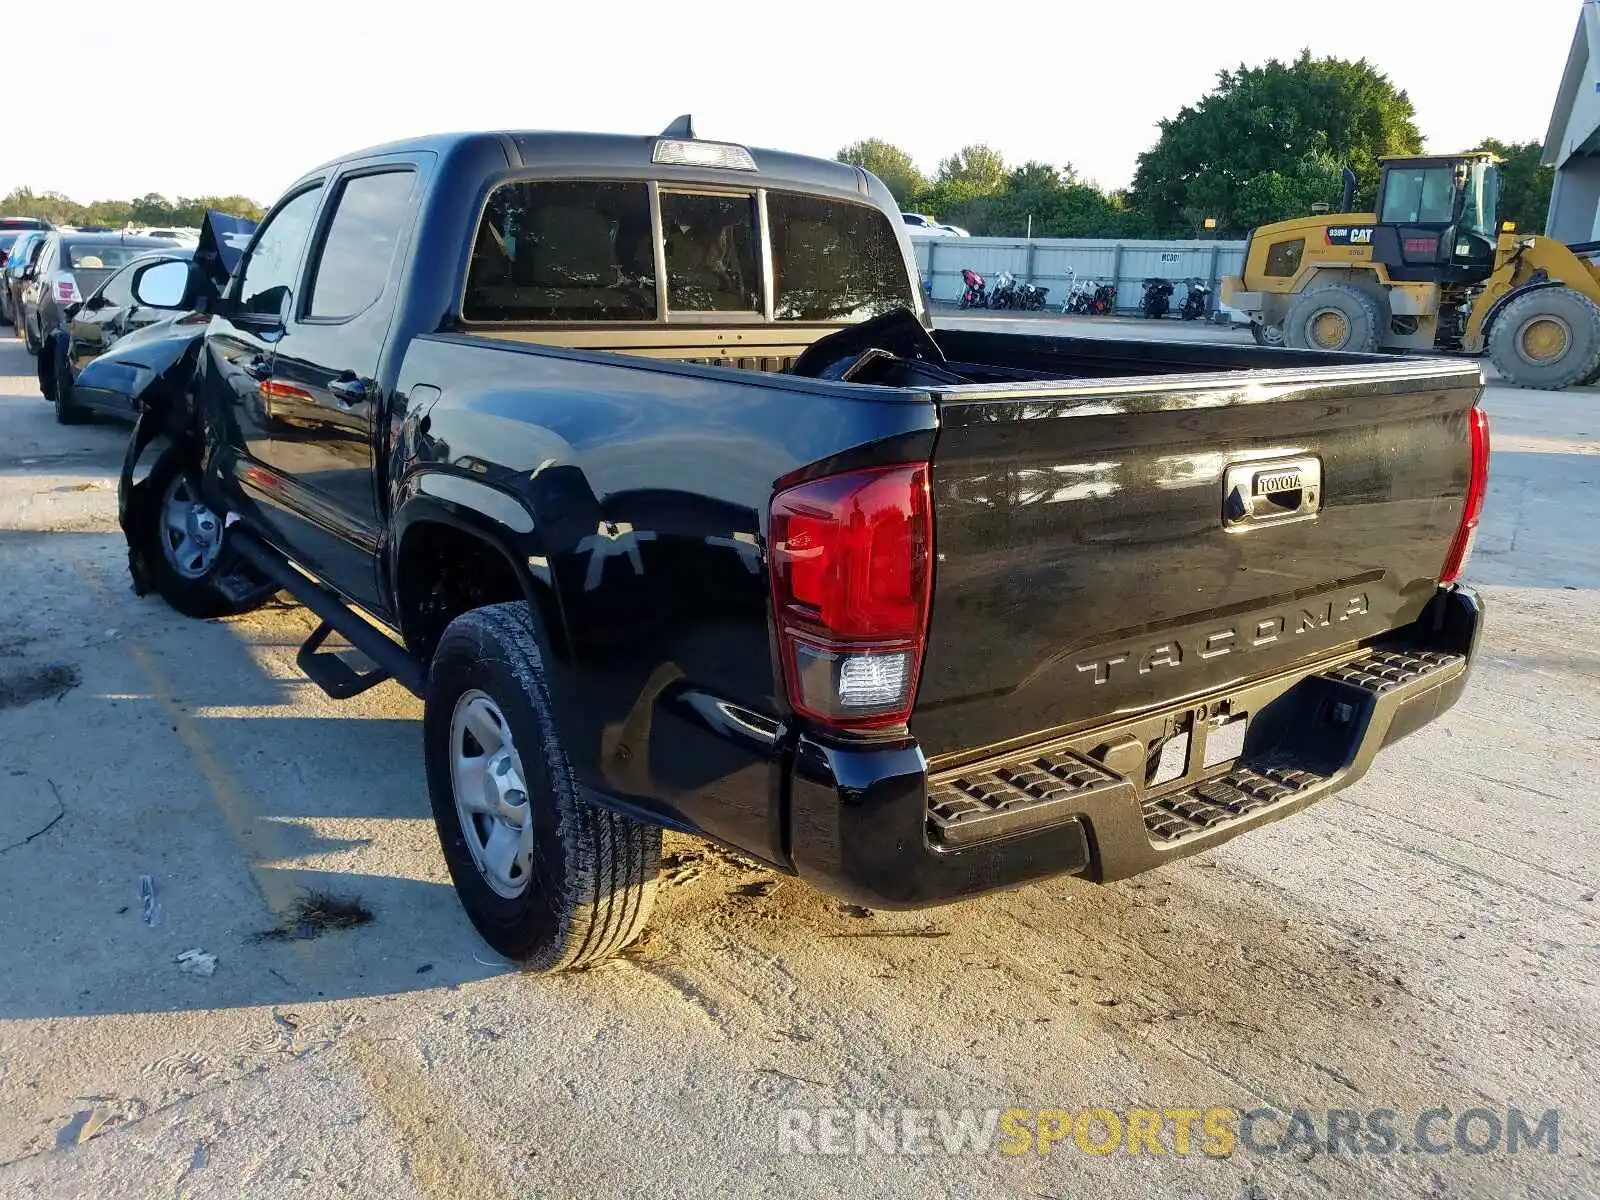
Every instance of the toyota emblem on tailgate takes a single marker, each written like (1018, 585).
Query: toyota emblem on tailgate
(1270, 493)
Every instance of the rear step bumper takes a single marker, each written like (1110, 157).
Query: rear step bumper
(871, 825)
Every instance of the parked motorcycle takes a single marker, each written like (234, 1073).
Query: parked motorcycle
(976, 292)
(1031, 298)
(1196, 302)
(1077, 294)
(1157, 299)
(1005, 291)
(1104, 300)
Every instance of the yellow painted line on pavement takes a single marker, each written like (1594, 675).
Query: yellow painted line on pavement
(444, 1158)
(259, 839)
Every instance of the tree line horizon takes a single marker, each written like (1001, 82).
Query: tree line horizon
(1264, 145)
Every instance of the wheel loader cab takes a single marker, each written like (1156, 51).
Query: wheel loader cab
(1436, 218)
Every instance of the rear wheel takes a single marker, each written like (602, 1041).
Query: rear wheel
(1334, 317)
(1547, 339)
(549, 880)
(28, 340)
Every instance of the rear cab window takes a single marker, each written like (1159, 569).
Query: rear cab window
(581, 250)
(712, 254)
(564, 250)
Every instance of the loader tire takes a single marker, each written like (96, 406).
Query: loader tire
(1335, 317)
(1548, 339)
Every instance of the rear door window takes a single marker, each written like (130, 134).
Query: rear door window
(359, 247)
(833, 260)
(568, 250)
(713, 264)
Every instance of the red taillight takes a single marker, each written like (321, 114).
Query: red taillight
(1477, 484)
(66, 291)
(851, 559)
(1421, 245)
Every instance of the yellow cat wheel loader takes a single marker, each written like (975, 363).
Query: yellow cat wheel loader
(1432, 269)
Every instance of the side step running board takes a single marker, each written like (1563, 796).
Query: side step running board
(330, 672)
(323, 668)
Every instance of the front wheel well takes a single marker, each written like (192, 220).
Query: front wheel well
(443, 570)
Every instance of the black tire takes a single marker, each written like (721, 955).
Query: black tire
(1266, 335)
(28, 343)
(1363, 319)
(201, 595)
(67, 413)
(592, 881)
(1571, 314)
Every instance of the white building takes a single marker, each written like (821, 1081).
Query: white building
(1572, 145)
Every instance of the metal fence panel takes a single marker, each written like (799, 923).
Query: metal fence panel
(1055, 262)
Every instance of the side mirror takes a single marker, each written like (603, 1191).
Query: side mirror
(164, 284)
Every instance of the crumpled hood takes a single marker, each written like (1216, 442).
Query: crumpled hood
(123, 374)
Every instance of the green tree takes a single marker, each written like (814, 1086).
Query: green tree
(1290, 192)
(975, 170)
(1255, 121)
(1524, 183)
(965, 183)
(1060, 204)
(889, 163)
(149, 209)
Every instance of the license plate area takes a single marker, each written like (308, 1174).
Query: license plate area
(1201, 741)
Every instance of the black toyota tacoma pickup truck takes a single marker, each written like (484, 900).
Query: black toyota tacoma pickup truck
(640, 461)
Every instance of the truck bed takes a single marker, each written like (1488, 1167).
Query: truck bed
(1086, 568)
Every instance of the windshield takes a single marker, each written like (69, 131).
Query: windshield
(1419, 196)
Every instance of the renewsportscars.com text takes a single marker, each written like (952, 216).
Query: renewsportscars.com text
(1213, 1131)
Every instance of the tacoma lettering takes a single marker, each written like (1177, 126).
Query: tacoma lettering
(1245, 636)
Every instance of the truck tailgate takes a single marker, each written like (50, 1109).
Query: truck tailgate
(1109, 546)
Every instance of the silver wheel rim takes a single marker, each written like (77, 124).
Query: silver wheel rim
(191, 534)
(491, 794)
(1272, 335)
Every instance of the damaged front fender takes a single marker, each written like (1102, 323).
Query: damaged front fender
(155, 362)
(148, 374)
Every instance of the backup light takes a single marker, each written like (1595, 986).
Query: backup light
(676, 152)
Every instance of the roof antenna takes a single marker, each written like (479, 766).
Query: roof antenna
(682, 127)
